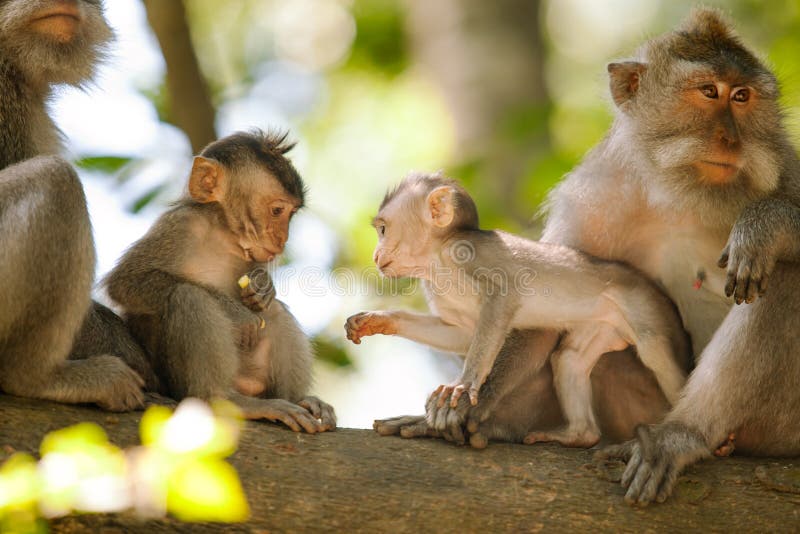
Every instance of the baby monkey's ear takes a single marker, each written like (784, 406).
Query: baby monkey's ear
(208, 182)
(441, 205)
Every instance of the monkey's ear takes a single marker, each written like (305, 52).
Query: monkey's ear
(207, 181)
(441, 205)
(624, 80)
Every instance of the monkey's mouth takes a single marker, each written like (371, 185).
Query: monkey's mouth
(60, 21)
(259, 255)
(717, 172)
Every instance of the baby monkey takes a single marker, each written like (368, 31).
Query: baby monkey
(196, 293)
(482, 284)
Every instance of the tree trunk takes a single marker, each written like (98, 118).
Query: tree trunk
(191, 109)
(354, 480)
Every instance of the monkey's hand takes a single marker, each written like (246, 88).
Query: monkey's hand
(320, 410)
(469, 383)
(750, 257)
(368, 324)
(257, 290)
(655, 458)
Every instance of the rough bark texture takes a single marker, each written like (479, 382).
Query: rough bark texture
(191, 109)
(354, 480)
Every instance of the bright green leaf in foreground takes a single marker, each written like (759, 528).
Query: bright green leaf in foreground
(206, 490)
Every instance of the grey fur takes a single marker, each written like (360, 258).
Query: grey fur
(46, 236)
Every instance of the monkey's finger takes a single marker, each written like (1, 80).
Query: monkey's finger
(722, 262)
(650, 489)
(328, 417)
(283, 417)
(762, 285)
(416, 430)
(472, 425)
(730, 282)
(446, 393)
(454, 428)
(309, 423)
(440, 418)
(312, 405)
(742, 283)
(457, 392)
(634, 493)
(393, 425)
(473, 394)
(668, 484)
(632, 466)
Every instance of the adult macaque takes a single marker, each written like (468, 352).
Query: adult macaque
(48, 254)
(698, 163)
(210, 333)
(482, 284)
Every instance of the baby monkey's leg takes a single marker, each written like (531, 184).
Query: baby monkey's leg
(572, 365)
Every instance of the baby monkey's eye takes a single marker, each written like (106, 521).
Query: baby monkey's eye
(709, 91)
(741, 95)
(382, 229)
(276, 211)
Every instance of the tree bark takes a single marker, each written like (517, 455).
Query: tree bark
(191, 109)
(356, 481)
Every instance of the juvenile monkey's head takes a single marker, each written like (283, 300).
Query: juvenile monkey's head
(704, 110)
(256, 187)
(53, 41)
(413, 220)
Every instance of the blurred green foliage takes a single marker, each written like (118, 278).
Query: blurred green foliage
(179, 468)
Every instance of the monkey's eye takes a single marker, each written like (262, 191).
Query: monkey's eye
(382, 229)
(742, 95)
(276, 211)
(709, 91)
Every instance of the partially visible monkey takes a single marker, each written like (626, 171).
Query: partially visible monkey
(698, 163)
(45, 235)
(481, 284)
(177, 286)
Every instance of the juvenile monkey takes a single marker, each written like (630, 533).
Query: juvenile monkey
(482, 284)
(208, 337)
(698, 171)
(48, 254)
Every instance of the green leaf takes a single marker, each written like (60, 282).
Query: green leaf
(106, 164)
(140, 203)
(331, 351)
(207, 490)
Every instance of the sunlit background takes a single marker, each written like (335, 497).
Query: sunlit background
(504, 95)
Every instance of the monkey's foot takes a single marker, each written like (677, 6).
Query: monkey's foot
(568, 437)
(447, 419)
(406, 426)
(296, 417)
(727, 447)
(321, 410)
(655, 458)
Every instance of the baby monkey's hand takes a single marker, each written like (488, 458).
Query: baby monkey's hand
(369, 323)
(257, 290)
(470, 385)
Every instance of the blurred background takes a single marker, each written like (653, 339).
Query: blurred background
(505, 95)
